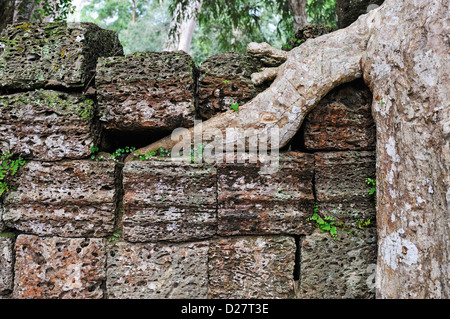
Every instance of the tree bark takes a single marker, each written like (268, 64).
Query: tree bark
(133, 12)
(182, 27)
(401, 49)
(298, 10)
(6, 13)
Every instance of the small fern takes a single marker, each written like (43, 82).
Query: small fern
(8, 167)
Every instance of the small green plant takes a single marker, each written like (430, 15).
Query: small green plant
(8, 167)
(325, 224)
(293, 42)
(94, 151)
(373, 185)
(197, 153)
(159, 152)
(226, 82)
(86, 110)
(115, 237)
(331, 224)
(362, 223)
(118, 153)
(235, 107)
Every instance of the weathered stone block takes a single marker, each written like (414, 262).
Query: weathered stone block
(310, 31)
(47, 125)
(37, 55)
(342, 120)
(146, 91)
(341, 189)
(153, 271)
(251, 267)
(167, 200)
(67, 199)
(59, 268)
(225, 79)
(253, 203)
(6, 266)
(340, 268)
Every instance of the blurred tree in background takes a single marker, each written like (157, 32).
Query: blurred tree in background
(222, 25)
(150, 25)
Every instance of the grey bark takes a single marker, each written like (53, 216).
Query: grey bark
(182, 27)
(298, 10)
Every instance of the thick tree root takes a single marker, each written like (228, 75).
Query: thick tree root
(309, 73)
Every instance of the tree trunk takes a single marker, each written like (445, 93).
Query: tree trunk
(182, 27)
(6, 13)
(298, 10)
(23, 11)
(401, 49)
(133, 12)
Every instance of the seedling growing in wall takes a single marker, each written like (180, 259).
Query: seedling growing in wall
(373, 185)
(160, 152)
(8, 167)
(325, 224)
(114, 238)
(235, 107)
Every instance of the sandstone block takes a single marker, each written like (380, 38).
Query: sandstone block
(6, 266)
(342, 120)
(153, 271)
(146, 91)
(341, 189)
(167, 200)
(47, 125)
(66, 199)
(310, 31)
(253, 203)
(341, 268)
(59, 268)
(225, 79)
(37, 55)
(251, 267)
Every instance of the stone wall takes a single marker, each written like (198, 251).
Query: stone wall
(78, 222)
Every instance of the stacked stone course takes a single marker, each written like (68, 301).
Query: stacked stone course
(80, 227)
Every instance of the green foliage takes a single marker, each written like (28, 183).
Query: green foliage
(113, 14)
(115, 237)
(322, 12)
(7, 235)
(325, 224)
(159, 152)
(293, 39)
(116, 156)
(58, 10)
(120, 152)
(94, 151)
(235, 107)
(331, 224)
(223, 25)
(197, 153)
(8, 167)
(373, 185)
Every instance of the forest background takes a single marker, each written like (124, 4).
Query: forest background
(200, 27)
